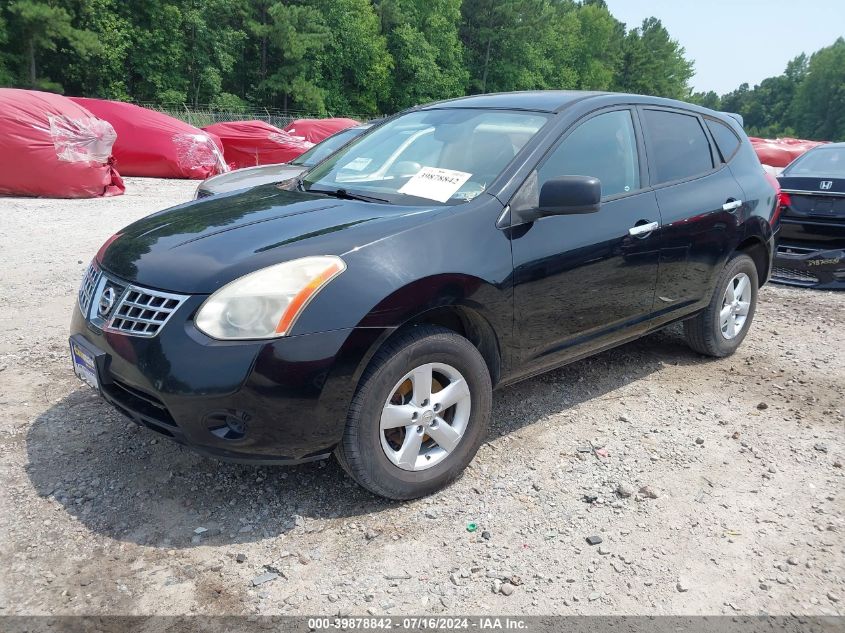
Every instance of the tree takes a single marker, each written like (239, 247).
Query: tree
(354, 65)
(707, 99)
(213, 39)
(506, 42)
(819, 105)
(297, 35)
(42, 26)
(423, 40)
(653, 63)
(599, 51)
(5, 74)
(103, 73)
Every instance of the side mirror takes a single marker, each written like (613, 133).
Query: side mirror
(569, 195)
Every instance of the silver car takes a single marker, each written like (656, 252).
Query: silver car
(279, 172)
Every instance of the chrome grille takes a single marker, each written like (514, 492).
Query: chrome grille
(143, 312)
(86, 289)
(795, 276)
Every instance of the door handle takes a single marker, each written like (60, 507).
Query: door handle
(643, 229)
(732, 205)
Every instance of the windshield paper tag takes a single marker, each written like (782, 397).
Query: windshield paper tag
(359, 164)
(435, 183)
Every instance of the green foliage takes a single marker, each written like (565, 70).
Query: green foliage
(325, 56)
(706, 99)
(818, 109)
(428, 56)
(41, 26)
(227, 102)
(653, 63)
(355, 65)
(807, 100)
(366, 57)
(5, 74)
(296, 35)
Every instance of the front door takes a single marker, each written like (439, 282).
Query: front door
(582, 281)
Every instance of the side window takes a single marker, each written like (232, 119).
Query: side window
(604, 147)
(678, 147)
(726, 140)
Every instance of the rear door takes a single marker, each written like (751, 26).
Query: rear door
(700, 202)
(582, 281)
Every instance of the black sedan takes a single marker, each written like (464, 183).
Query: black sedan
(811, 242)
(368, 309)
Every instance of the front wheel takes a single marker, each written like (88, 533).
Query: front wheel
(722, 326)
(419, 415)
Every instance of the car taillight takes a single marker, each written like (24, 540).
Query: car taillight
(779, 196)
(783, 203)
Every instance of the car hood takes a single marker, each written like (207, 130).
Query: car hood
(249, 177)
(200, 246)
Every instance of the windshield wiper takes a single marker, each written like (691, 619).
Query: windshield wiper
(343, 194)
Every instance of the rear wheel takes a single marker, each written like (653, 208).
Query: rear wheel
(419, 415)
(722, 326)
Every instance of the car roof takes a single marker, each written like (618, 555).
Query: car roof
(559, 100)
(536, 100)
(840, 145)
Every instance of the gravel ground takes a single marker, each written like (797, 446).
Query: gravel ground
(715, 486)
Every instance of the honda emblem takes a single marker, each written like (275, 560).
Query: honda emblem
(825, 185)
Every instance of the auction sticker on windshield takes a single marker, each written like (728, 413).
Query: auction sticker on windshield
(435, 183)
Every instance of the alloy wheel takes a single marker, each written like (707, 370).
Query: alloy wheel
(425, 416)
(735, 305)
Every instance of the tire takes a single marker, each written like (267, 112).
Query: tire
(369, 453)
(705, 332)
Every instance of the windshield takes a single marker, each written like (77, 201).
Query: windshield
(327, 147)
(446, 156)
(826, 162)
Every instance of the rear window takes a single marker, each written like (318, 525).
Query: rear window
(726, 140)
(826, 162)
(678, 147)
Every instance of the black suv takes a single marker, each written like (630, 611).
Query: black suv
(369, 308)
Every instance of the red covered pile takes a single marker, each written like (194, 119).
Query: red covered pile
(315, 130)
(156, 145)
(780, 152)
(250, 143)
(50, 146)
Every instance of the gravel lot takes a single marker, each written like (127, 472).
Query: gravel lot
(716, 486)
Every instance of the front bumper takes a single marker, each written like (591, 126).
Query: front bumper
(798, 265)
(262, 402)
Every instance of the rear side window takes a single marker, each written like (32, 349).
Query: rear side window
(726, 140)
(678, 147)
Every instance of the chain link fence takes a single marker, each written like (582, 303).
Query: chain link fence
(199, 116)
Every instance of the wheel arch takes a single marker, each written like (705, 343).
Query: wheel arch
(756, 249)
(460, 303)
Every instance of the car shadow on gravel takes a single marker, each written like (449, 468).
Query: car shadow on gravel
(130, 484)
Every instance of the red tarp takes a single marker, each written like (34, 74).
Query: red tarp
(250, 143)
(315, 130)
(780, 152)
(156, 145)
(51, 147)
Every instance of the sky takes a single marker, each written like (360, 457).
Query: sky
(736, 41)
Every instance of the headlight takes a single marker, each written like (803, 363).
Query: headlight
(266, 303)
